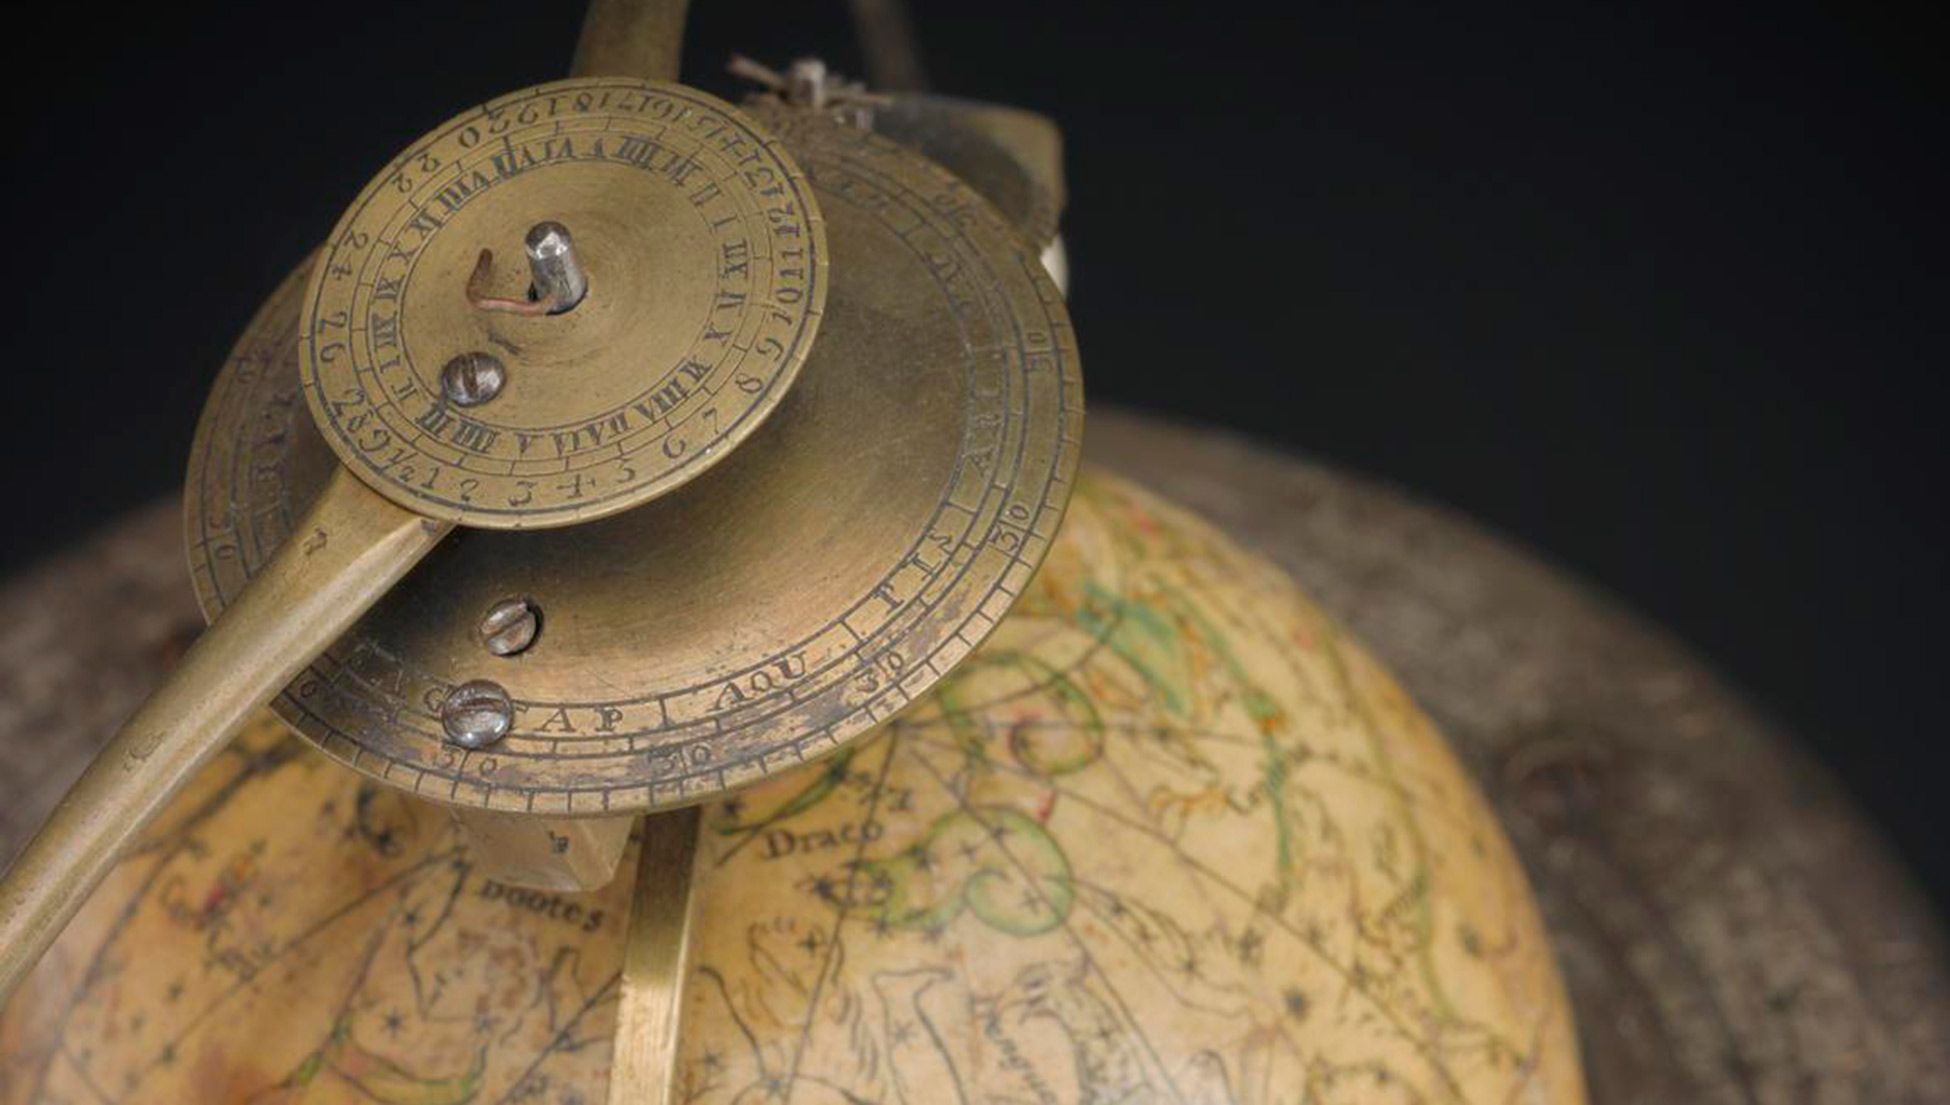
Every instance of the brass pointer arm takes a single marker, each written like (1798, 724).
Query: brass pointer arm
(346, 552)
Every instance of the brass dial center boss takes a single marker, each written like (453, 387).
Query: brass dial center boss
(699, 263)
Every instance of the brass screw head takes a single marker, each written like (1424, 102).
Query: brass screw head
(477, 713)
(472, 379)
(509, 626)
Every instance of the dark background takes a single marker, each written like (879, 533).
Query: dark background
(1658, 292)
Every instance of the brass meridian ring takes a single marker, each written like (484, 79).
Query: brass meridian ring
(836, 565)
(706, 268)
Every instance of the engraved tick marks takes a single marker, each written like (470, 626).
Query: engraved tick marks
(708, 270)
(642, 742)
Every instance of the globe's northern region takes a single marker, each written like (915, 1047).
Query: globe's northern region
(1169, 836)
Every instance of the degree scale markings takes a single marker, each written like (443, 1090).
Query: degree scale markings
(700, 329)
(961, 566)
(509, 157)
(550, 748)
(510, 154)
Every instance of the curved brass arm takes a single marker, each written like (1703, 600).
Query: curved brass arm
(631, 38)
(346, 552)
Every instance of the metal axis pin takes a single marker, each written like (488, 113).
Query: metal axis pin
(558, 277)
(556, 280)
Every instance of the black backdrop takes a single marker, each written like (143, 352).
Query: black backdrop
(1659, 291)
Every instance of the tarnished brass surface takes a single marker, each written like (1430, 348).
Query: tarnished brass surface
(707, 268)
(1011, 156)
(631, 38)
(888, 45)
(808, 594)
(706, 261)
(347, 549)
(657, 951)
(855, 547)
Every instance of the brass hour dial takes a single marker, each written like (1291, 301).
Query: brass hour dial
(450, 380)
